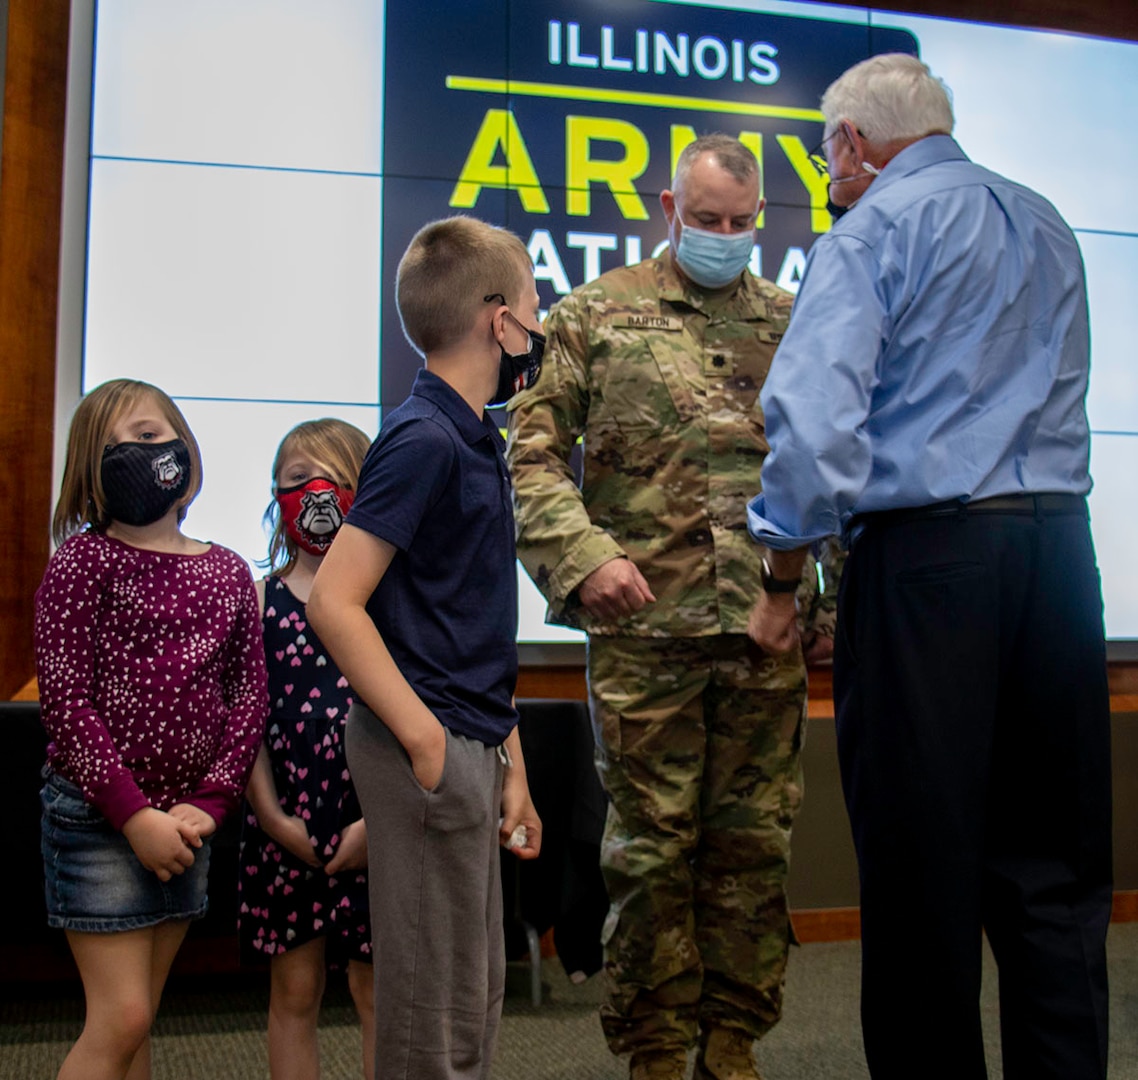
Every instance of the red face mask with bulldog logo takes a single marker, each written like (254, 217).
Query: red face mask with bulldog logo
(313, 513)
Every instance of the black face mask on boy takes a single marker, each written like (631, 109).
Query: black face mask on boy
(141, 481)
(516, 371)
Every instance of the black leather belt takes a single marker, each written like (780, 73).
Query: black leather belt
(1045, 504)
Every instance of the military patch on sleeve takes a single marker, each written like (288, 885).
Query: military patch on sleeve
(671, 323)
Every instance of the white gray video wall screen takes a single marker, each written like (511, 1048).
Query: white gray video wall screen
(257, 168)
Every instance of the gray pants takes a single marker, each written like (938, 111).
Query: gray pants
(436, 904)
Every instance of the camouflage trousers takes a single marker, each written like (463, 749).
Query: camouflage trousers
(698, 746)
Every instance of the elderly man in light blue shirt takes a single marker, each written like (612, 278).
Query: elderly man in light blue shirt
(928, 402)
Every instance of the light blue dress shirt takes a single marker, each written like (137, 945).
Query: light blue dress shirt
(938, 349)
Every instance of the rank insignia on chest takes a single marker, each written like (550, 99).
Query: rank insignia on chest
(668, 323)
(717, 361)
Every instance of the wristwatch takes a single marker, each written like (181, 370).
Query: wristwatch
(772, 584)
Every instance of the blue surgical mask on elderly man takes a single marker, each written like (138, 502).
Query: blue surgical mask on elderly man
(713, 259)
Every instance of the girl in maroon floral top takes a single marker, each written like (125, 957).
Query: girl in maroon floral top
(303, 878)
(153, 693)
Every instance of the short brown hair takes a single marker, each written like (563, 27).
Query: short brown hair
(448, 269)
(335, 444)
(82, 502)
(730, 154)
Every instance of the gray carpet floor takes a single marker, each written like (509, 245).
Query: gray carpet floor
(215, 1030)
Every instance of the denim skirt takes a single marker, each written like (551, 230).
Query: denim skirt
(93, 881)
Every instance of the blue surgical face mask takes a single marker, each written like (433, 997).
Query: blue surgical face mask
(713, 259)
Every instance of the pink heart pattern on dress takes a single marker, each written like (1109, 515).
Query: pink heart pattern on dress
(285, 903)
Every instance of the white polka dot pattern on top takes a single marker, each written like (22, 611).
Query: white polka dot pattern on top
(152, 677)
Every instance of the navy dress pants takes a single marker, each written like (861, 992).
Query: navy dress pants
(973, 724)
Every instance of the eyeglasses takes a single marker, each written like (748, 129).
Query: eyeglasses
(818, 155)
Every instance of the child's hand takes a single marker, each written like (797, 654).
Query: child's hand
(195, 817)
(352, 852)
(429, 757)
(161, 842)
(518, 814)
(292, 834)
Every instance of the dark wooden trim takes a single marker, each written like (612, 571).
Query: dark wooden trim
(1103, 18)
(827, 924)
(31, 189)
(50, 962)
(1123, 678)
(569, 682)
(539, 681)
(1125, 906)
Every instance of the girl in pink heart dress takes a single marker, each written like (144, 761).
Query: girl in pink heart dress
(303, 876)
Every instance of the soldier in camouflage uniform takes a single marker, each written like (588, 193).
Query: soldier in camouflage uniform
(698, 731)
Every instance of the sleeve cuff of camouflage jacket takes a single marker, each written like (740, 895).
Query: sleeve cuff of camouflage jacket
(823, 623)
(579, 562)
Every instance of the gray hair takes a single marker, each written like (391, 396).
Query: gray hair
(889, 97)
(728, 152)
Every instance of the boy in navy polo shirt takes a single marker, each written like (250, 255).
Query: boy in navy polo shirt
(417, 602)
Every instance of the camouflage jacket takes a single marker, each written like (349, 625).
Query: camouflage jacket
(818, 614)
(663, 384)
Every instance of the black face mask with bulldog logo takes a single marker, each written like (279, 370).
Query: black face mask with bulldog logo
(141, 481)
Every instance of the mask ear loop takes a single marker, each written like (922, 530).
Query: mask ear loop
(870, 168)
(489, 298)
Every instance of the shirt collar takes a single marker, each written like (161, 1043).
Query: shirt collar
(745, 302)
(439, 392)
(931, 150)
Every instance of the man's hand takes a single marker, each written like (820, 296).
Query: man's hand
(615, 590)
(352, 852)
(773, 624)
(161, 842)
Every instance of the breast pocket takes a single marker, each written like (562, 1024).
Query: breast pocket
(755, 360)
(645, 387)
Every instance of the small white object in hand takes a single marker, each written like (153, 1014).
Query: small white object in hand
(517, 838)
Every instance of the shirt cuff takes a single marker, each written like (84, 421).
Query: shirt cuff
(770, 534)
(119, 801)
(217, 804)
(593, 550)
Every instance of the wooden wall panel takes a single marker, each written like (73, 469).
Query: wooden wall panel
(31, 185)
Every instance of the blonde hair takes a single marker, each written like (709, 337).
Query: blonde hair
(339, 448)
(448, 270)
(82, 503)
